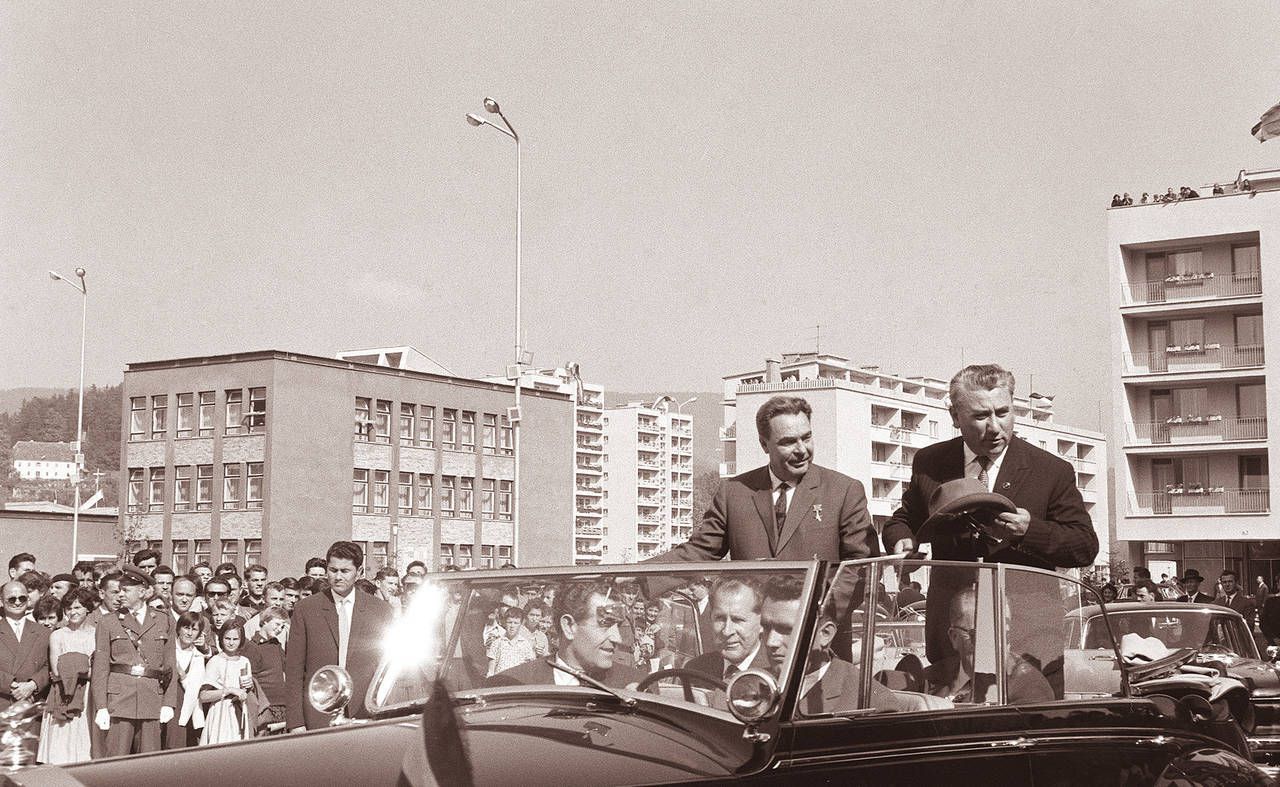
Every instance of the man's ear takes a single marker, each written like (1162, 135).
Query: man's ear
(567, 626)
(825, 633)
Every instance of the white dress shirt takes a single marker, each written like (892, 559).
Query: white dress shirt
(345, 606)
(972, 469)
(777, 483)
(18, 626)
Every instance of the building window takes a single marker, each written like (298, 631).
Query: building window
(230, 485)
(504, 499)
(1249, 330)
(448, 490)
(186, 414)
(449, 428)
(1185, 333)
(406, 423)
(252, 551)
(206, 413)
(490, 435)
(376, 555)
(137, 481)
(204, 487)
(466, 496)
(468, 430)
(382, 422)
(159, 416)
(424, 494)
(404, 499)
(253, 471)
(506, 442)
(182, 488)
(257, 410)
(426, 425)
(464, 556)
(446, 555)
(202, 550)
(504, 554)
(156, 499)
(180, 556)
(486, 556)
(381, 491)
(488, 498)
(138, 418)
(360, 491)
(231, 552)
(235, 412)
(364, 419)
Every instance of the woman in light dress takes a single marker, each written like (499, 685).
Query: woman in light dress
(185, 730)
(66, 740)
(228, 683)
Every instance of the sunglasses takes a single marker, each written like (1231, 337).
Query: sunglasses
(16, 599)
(610, 614)
(218, 592)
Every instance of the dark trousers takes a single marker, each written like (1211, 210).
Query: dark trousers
(132, 736)
(178, 736)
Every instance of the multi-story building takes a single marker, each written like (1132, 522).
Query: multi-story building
(270, 456)
(868, 425)
(1192, 485)
(37, 461)
(649, 460)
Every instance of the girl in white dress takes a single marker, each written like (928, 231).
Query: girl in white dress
(66, 740)
(227, 684)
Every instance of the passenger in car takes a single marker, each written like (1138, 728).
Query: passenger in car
(735, 625)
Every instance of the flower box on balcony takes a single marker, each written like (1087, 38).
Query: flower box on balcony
(1174, 349)
(1188, 278)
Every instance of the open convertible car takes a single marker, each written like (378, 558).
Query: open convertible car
(762, 672)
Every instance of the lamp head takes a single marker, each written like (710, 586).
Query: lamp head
(80, 272)
(491, 106)
(475, 119)
(54, 275)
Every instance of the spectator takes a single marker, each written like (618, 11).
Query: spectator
(110, 597)
(184, 728)
(265, 652)
(236, 585)
(289, 586)
(255, 579)
(1109, 593)
(227, 568)
(182, 595)
(1217, 188)
(306, 586)
(1260, 592)
(21, 563)
(163, 576)
(61, 584)
(531, 629)
(388, 584)
(1245, 185)
(365, 586)
(1191, 580)
(1115, 201)
(37, 584)
(1127, 200)
(315, 568)
(1169, 196)
(417, 568)
(409, 587)
(1192, 193)
(1234, 597)
(202, 572)
(648, 633)
(85, 573)
(48, 612)
(273, 595)
(910, 594)
(147, 560)
(510, 649)
(228, 680)
(1145, 198)
(64, 733)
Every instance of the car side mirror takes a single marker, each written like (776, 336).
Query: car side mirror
(330, 691)
(753, 696)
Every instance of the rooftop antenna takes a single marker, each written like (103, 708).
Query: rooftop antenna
(818, 340)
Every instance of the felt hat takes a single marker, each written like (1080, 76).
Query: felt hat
(960, 496)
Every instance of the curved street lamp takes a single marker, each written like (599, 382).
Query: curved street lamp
(80, 285)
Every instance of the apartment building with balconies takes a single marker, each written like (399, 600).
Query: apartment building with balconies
(869, 424)
(1189, 335)
(649, 461)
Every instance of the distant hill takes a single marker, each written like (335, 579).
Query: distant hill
(707, 414)
(11, 398)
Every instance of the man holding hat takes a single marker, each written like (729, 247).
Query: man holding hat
(1034, 514)
(133, 663)
(1191, 580)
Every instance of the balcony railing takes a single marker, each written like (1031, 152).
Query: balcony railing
(898, 434)
(1199, 429)
(1204, 500)
(596, 466)
(591, 423)
(649, 501)
(729, 432)
(894, 470)
(1192, 286)
(1195, 358)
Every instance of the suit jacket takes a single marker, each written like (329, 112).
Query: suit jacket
(23, 660)
(539, 672)
(826, 518)
(1198, 598)
(712, 663)
(1241, 602)
(131, 696)
(1060, 535)
(313, 643)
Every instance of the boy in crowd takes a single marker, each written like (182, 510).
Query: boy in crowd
(512, 649)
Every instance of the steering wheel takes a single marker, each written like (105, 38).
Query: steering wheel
(687, 678)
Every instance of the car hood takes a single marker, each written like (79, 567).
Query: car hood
(1259, 677)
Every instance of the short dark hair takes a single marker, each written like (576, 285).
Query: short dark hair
(574, 600)
(272, 587)
(415, 563)
(87, 598)
(227, 568)
(1226, 572)
(319, 585)
(780, 405)
(47, 604)
(366, 586)
(783, 587)
(21, 557)
(202, 564)
(980, 377)
(306, 583)
(345, 550)
(315, 561)
(220, 579)
(384, 572)
(288, 583)
(233, 624)
(256, 568)
(36, 581)
(145, 554)
(113, 574)
(730, 584)
(85, 565)
(162, 569)
(513, 612)
(190, 619)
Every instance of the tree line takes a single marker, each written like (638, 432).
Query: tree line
(53, 419)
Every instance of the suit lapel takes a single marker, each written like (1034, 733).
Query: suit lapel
(148, 621)
(1013, 470)
(833, 683)
(800, 507)
(8, 640)
(25, 644)
(763, 497)
(954, 461)
(330, 614)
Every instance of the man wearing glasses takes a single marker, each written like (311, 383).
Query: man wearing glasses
(587, 614)
(24, 649)
(954, 677)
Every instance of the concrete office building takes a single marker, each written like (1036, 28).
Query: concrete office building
(1189, 331)
(868, 425)
(270, 456)
(649, 459)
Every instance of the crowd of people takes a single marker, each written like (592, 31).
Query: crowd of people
(141, 658)
(1186, 192)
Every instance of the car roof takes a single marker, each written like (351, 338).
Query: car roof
(1161, 606)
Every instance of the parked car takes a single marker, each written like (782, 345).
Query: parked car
(996, 693)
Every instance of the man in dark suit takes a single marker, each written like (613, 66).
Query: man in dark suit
(735, 626)
(339, 626)
(24, 649)
(1234, 597)
(587, 614)
(790, 509)
(1050, 528)
(1191, 580)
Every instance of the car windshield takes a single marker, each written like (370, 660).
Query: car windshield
(676, 631)
(1200, 629)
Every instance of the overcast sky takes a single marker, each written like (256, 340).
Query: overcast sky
(703, 183)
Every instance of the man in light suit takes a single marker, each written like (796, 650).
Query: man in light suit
(24, 649)
(1050, 528)
(790, 509)
(339, 626)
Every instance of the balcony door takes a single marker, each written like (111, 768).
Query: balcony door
(1254, 484)
(1161, 412)
(1162, 479)
(1157, 341)
(1157, 270)
(1251, 409)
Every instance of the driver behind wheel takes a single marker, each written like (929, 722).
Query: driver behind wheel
(587, 615)
(735, 626)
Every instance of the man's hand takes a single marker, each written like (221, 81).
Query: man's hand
(166, 714)
(103, 719)
(1011, 526)
(904, 546)
(21, 690)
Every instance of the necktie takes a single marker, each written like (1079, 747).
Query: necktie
(780, 508)
(344, 630)
(730, 670)
(983, 463)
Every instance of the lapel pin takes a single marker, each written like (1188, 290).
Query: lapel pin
(1005, 485)
(817, 511)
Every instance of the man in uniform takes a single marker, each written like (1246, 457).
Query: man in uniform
(133, 663)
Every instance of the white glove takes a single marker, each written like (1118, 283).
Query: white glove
(166, 714)
(103, 719)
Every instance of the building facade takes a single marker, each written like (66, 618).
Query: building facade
(271, 456)
(649, 461)
(1189, 332)
(869, 425)
(37, 461)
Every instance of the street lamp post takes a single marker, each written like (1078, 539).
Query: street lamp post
(78, 448)
(492, 108)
